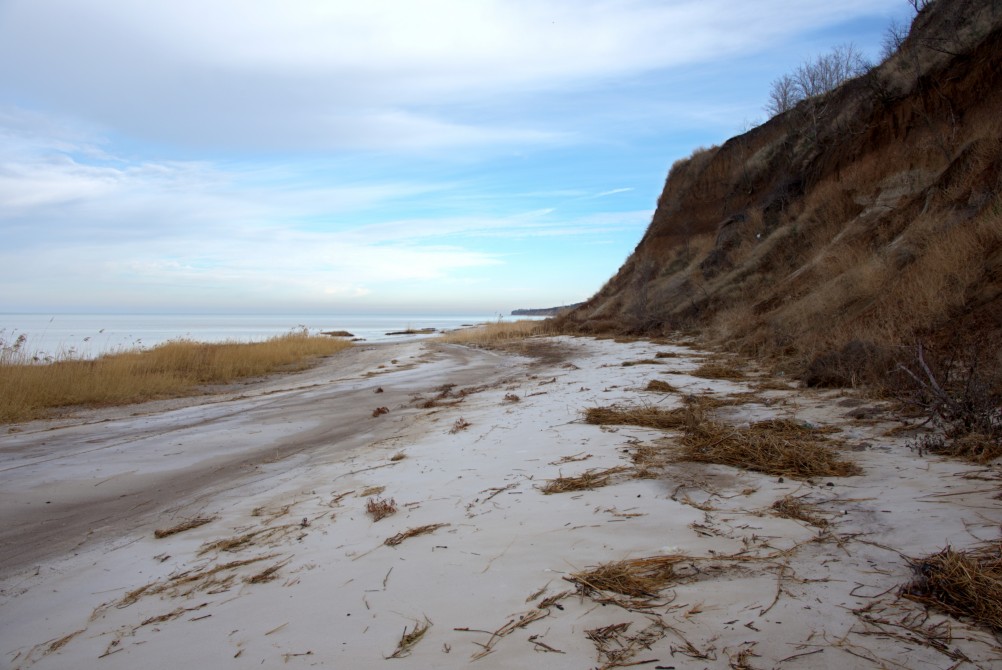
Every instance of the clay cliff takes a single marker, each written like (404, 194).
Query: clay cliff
(863, 220)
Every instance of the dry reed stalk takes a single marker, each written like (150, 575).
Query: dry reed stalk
(591, 479)
(660, 386)
(510, 627)
(774, 447)
(379, 508)
(961, 583)
(795, 508)
(413, 532)
(183, 526)
(408, 640)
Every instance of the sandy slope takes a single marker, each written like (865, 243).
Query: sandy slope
(292, 571)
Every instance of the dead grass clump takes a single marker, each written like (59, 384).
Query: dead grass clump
(183, 526)
(379, 411)
(774, 447)
(511, 398)
(961, 583)
(717, 370)
(591, 479)
(636, 578)
(30, 388)
(399, 456)
(666, 354)
(379, 508)
(460, 424)
(645, 361)
(413, 532)
(660, 386)
(795, 508)
(646, 416)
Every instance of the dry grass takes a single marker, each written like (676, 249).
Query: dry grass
(795, 508)
(776, 447)
(718, 370)
(460, 424)
(636, 578)
(644, 361)
(496, 334)
(413, 532)
(183, 526)
(408, 640)
(962, 584)
(660, 386)
(379, 508)
(591, 479)
(30, 390)
(646, 416)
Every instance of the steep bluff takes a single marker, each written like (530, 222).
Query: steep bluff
(870, 216)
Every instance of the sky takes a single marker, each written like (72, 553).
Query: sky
(291, 156)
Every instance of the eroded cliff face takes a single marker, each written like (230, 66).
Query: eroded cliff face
(872, 214)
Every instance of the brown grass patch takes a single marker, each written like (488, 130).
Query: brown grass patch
(962, 584)
(659, 386)
(413, 532)
(666, 354)
(379, 508)
(591, 479)
(777, 447)
(645, 361)
(183, 526)
(30, 389)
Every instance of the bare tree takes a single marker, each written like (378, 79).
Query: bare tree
(783, 97)
(919, 5)
(894, 37)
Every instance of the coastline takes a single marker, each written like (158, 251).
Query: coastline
(291, 569)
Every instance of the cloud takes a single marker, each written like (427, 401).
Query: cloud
(381, 74)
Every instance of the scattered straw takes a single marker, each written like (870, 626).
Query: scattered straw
(795, 508)
(253, 538)
(408, 640)
(370, 491)
(413, 532)
(637, 578)
(183, 526)
(378, 508)
(776, 447)
(617, 649)
(591, 479)
(646, 416)
(962, 583)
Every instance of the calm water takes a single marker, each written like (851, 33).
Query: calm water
(88, 335)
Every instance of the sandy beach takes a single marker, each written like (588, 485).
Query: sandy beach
(283, 566)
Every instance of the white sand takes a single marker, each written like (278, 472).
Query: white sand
(287, 461)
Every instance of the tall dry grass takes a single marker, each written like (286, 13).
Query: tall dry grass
(498, 333)
(177, 368)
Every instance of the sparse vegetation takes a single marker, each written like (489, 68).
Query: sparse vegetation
(31, 390)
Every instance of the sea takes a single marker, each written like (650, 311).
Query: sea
(53, 336)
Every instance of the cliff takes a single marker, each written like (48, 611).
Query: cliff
(869, 217)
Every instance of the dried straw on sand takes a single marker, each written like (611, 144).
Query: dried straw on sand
(962, 583)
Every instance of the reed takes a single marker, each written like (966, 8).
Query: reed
(30, 390)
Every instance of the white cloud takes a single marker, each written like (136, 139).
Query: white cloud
(387, 74)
